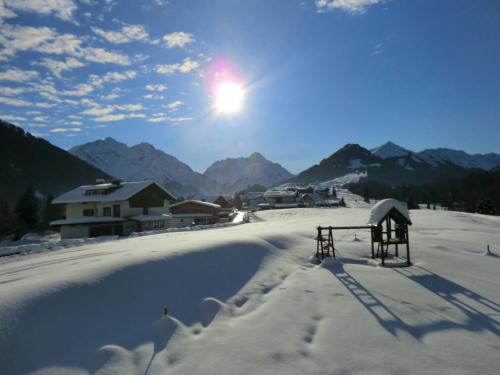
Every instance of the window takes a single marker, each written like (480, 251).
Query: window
(106, 211)
(88, 212)
(145, 210)
(116, 210)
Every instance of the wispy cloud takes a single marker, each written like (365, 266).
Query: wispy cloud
(126, 34)
(11, 91)
(118, 117)
(156, 87)
(79, 90)
(62, 9)
(112, 77)
(56, 67)
(65, 130)
(186, 66)
(178, 39)
(16, 75)
(45, 40)
(352, 6)
(174, 106)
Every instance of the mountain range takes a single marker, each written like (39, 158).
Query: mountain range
(143, 161)
(438, 156)
(51, 170)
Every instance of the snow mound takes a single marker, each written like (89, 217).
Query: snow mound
(383, 207)
(163, 330)
(111, 356)
(209, 308)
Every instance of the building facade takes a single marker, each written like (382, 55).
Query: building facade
(115, 208)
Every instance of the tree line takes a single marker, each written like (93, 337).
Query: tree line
(479, 191)
(29, 213)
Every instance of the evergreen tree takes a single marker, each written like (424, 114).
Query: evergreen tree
(342, 202)
(7, 219)
(27, 209)
(50, 211)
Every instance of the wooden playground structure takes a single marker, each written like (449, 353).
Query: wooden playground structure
(388, 227)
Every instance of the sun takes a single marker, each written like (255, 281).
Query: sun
(229, 97)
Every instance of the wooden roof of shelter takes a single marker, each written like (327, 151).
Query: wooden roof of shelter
(393, 208)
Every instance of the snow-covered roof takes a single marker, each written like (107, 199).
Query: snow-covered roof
(88, 220)
(144, 218)
(123, 191)
(208, 204)
(382, 208)
(279, 193)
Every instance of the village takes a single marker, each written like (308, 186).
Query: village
(118, 208)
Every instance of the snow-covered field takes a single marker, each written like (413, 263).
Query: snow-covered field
(246, 300)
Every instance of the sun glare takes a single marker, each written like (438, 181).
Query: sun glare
(229, 97)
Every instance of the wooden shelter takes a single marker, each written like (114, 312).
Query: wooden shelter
(388, 223)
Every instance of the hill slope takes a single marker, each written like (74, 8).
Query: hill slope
(27, 161)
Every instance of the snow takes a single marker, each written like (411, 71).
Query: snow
(203, 203)
(350, 178)
(381, 208)
(246, 299)
(124, 192)
(441, 155)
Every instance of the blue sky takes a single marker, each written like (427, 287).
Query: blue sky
(316, 73)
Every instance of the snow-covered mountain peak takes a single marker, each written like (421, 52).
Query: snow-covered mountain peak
(235, 174)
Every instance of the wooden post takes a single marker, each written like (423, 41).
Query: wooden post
(373, 249)
(408, 262)
(317, 242)
(382, 254)
(330, 240)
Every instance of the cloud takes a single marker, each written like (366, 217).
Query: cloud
(118, 117)
(130, 107)
(65, 130)
(12, 118)
(45, 40)
(127, 34)
(62, 9)
(178, 39)
(14, 102)
(82, 89)
(112, 77)
(153, 97)
(56, 67)
(11, 91)
(174, 106)
(160, 3)
(156, 87)
(352, 6)
(157, 119)
(98, 111)
(186, 66)
(16, 75)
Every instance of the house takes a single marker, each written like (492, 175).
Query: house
(226, 208)
(113, 208)
(280, 199)
(252, 199)
(192, 212)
